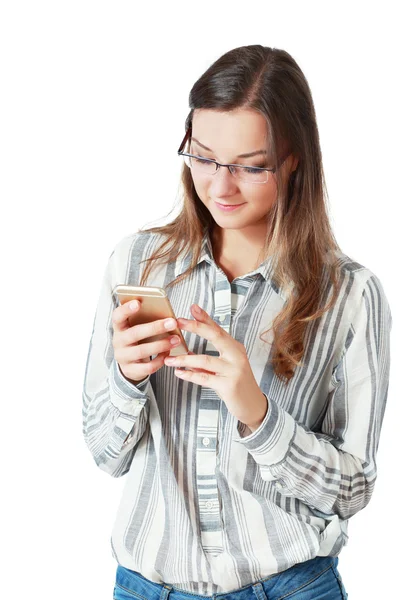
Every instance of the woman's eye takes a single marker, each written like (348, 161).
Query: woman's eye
(200, 159)
(253, 169)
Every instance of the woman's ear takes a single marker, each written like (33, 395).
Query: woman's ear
(295, 162)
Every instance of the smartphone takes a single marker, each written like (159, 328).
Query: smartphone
(155, 305)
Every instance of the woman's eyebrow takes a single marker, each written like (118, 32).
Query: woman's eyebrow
(245, 155)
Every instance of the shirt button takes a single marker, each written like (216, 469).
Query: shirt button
(206, 441)
(225, 318)
(209, 504)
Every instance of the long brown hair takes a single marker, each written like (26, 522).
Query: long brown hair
(299, 240)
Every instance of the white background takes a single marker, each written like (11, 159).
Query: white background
(93, 101)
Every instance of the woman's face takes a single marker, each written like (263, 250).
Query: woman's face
(229, 134)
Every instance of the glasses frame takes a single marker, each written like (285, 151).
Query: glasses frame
(218, 165)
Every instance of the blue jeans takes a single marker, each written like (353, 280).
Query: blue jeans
(314, 579)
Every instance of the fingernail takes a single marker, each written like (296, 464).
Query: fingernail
(134, 305)
(169, 323)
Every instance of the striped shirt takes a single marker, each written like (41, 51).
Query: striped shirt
(209, 506)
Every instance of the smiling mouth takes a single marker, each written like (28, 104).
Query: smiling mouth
(221, 204)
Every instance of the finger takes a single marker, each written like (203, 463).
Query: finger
(204, 379)
(154, 365)
(212, 332)
(193, 368)
(139, 352)
(190, 368)
(120, 317)
(142, 331)
(204, 362)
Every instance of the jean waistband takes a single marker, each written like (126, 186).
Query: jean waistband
(298, 574)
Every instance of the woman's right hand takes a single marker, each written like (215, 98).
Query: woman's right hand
(134, 358)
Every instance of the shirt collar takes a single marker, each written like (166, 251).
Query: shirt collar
(265, 269)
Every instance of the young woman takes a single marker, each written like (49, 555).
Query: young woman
(242, 472)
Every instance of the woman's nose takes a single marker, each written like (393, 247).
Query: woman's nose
(223, 181)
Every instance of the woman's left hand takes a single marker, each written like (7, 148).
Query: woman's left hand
(229, 374)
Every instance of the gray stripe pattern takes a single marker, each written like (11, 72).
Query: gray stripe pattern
(209, 506)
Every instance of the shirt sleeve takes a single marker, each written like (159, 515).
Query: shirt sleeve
(334, 471)
(115, 411)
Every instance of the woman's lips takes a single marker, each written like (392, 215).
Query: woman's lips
(229, 207)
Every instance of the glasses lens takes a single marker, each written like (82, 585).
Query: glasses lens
(201, 165)
(208, 167)
(250, 174)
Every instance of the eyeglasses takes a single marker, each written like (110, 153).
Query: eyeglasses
(209, 166)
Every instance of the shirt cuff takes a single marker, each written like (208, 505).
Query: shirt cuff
(270, 443)
(124, 395)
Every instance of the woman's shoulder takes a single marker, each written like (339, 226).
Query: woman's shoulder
(139, 243)
(359, 280)
(355, 270)
(129, 254)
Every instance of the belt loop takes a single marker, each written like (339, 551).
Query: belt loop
(165, 592)
(259, 591)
